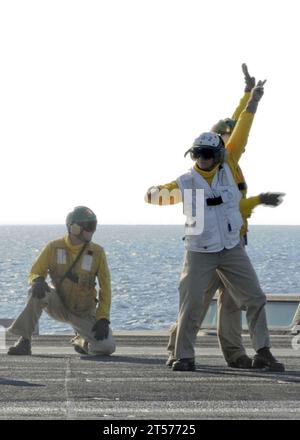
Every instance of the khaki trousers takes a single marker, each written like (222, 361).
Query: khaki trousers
(237, 274)
(25, 324)
(229, 321)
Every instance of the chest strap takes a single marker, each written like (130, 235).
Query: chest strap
(214, 201)
(69, 273)
(242, 186)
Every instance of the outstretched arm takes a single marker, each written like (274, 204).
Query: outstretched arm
(250, 84)
(239, 137)
(226, 126)
(268, 199)
(168, 194)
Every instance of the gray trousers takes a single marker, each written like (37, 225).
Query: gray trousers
(237, 274)
(25, 324)
(229, 321)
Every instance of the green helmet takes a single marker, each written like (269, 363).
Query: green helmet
(82, 216)
(224, 126)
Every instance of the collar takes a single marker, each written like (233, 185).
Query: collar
(206, 174)
(72, 247)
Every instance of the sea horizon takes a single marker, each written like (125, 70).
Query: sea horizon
(145, 262)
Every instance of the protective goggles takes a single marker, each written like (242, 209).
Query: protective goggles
(88, 226)
(203, 152)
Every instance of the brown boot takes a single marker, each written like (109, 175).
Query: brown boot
(21, 348)
(171, 359)
(80, 349)
(80, 345)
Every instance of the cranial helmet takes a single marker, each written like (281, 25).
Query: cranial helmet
(81, 218)
(224, 126)
(208, 146)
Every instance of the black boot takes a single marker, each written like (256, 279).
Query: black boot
(21, 348)
(185, 364)
(265, 359)
(241, 362)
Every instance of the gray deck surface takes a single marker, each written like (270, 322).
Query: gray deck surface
(133, 383)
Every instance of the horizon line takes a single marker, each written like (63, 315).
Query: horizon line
(134, 224)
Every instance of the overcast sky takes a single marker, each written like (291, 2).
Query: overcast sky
(100, 99)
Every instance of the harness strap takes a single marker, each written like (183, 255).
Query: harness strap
(69, 274)
(242, 186)
(214, 201)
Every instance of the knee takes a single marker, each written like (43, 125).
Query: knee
(257, 301)
(104, 347)
(110, 347)
(34, 301)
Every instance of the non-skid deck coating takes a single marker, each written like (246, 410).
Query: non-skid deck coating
(57, 383)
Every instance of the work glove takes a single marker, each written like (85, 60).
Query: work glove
(101, 329)
(271, 199)
(249, 80)
(255, 97)
(39, 288)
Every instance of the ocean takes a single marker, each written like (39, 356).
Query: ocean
(145, 264)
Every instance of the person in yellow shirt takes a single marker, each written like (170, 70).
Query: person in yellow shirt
(218, 245)
(229, 322)
(74, 263)
(224, 127)
(229, 326)
(229, 316)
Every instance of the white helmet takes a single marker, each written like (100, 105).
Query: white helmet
(207, 140)
(208, 145)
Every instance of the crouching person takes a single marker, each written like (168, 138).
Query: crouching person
(73, 263)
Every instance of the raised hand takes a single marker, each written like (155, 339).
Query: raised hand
(256, 96)
(249, 80)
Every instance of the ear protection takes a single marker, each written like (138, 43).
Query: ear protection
(75, 229)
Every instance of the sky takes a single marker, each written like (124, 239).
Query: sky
(99, 100)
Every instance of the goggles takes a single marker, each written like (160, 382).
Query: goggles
(203, 152)
(88, 226)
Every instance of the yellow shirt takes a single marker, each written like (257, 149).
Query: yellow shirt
(242, 105)
(41, 268)
(247, 205)
(235, 148)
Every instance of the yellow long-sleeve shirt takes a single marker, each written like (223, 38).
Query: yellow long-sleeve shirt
(42, 265)
(247, 204)
(241, 106)
(246, 207)
(235, 147)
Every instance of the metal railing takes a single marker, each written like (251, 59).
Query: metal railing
(280, 310)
